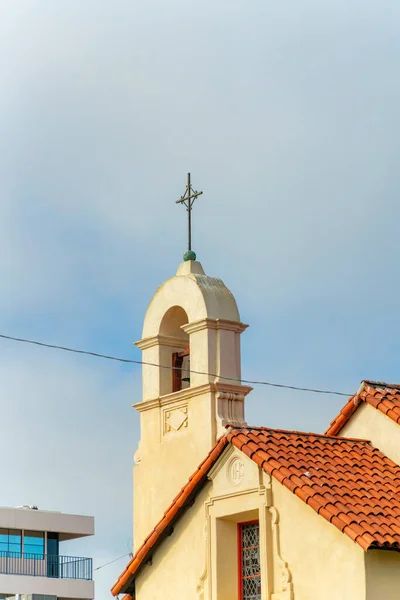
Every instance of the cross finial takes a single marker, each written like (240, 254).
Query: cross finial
(188, 200)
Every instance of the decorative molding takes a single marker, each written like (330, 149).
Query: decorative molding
(174, 397)
(230, 408)
(191, 392)
(176, 419)
(204, 585)
(233, 388)
(186, 394)
(161, 340)
(206, 575)
(217, 467)
(247, 492)
(214, 324)
(286, 592)
(235, 471)
(203, 576)
(146, 405)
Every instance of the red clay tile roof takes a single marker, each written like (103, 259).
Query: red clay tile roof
(383, 396)
(347, 481)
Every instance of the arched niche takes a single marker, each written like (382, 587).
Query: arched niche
(172, 321)
(171, 327)
(179, 358)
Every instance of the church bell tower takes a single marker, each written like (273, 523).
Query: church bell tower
(192, 329)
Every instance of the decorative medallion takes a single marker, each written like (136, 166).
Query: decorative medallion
(175, 419)
(235, 471)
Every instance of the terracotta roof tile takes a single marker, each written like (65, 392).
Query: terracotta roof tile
(346, 481)
(382, 396)
(350, 473)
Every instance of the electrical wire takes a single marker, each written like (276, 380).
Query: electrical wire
(141, 362)
(111, 562)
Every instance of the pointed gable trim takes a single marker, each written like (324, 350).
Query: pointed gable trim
(385, 397)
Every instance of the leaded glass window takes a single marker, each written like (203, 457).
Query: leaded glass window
(250, 577)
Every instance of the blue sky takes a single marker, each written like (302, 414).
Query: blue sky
(287, 116)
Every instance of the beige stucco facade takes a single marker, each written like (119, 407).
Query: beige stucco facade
(382, 570)
(303, 556)
(179, 428)
(371, 424)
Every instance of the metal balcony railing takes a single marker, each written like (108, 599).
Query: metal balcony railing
(46, 565)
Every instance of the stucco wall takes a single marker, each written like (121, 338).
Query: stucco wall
(324, 563)
(382, 575)
(167, 460)
(179, 561)
(371, 424)
(179, 428)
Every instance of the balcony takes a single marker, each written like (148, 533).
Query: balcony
(46, 565)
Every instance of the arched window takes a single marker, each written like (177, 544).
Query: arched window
(171, 327)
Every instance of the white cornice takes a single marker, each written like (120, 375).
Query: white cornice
(216, 468)
(214, 324)
(191, 392)
(232, 388)
(147, 405)
(161, 340)
(186, 394)
(175, 397)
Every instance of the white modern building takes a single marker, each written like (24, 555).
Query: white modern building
(32, 564)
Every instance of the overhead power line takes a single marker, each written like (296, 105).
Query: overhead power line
(112, 561)
(141, 362)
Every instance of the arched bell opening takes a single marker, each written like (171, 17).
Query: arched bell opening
(179, 356)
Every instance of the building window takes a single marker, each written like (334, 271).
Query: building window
(53, 561)
(33, 544)
(52, 544)
(10, 542)
(181, 370)
(249, 561)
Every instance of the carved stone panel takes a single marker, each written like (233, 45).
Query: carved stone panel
(176, 419)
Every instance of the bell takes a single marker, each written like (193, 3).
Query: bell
(186, 369)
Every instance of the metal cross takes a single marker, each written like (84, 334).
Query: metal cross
(188, 200)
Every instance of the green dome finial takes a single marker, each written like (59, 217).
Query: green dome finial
(189, 255)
